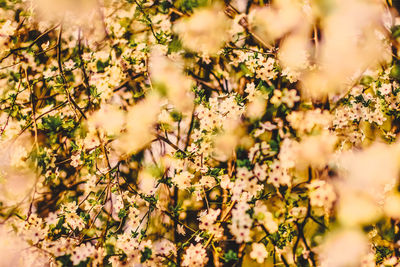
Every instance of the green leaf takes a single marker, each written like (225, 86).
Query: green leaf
(265, 88)
(101, 65)
(230, 256)
(395, 72)
(396, 31)
(274, 145)
(366, 80)
(146, 254)
(243, 163)
(122, 213)
(51, 123)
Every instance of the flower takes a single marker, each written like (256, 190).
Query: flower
(70, 64)
(195, 255)
(176, 128)
(321, 194)
(205, 31)
(385, 89)
(258, 252)
(182, 180)
(76, 160)
(8, 28)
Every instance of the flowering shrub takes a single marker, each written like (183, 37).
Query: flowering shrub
(194, 133)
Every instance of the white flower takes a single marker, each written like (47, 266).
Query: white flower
(259, 252)
(182, 180)
(8, 28)
(322, 194)
(385, 89)
(195, 256)
(76, 160)
(69, 64)
(49, 73)
(181, 229)
(205, 31)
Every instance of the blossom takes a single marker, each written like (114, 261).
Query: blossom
(73, 221)
(76, 160)
(7, 28)
(290, 97)
(69, 64)
(258, 252)
(385, 89)
(195, 255)
(205, 31)
(49, 73)
(322, 194)
(346, 247)
(181, 230)
(161, 132)
(262, 214)
(82, 252)
(278, 175)
(241, 223)
(183, 179)
(140, 120)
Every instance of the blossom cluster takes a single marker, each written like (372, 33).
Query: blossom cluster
(199, 133)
